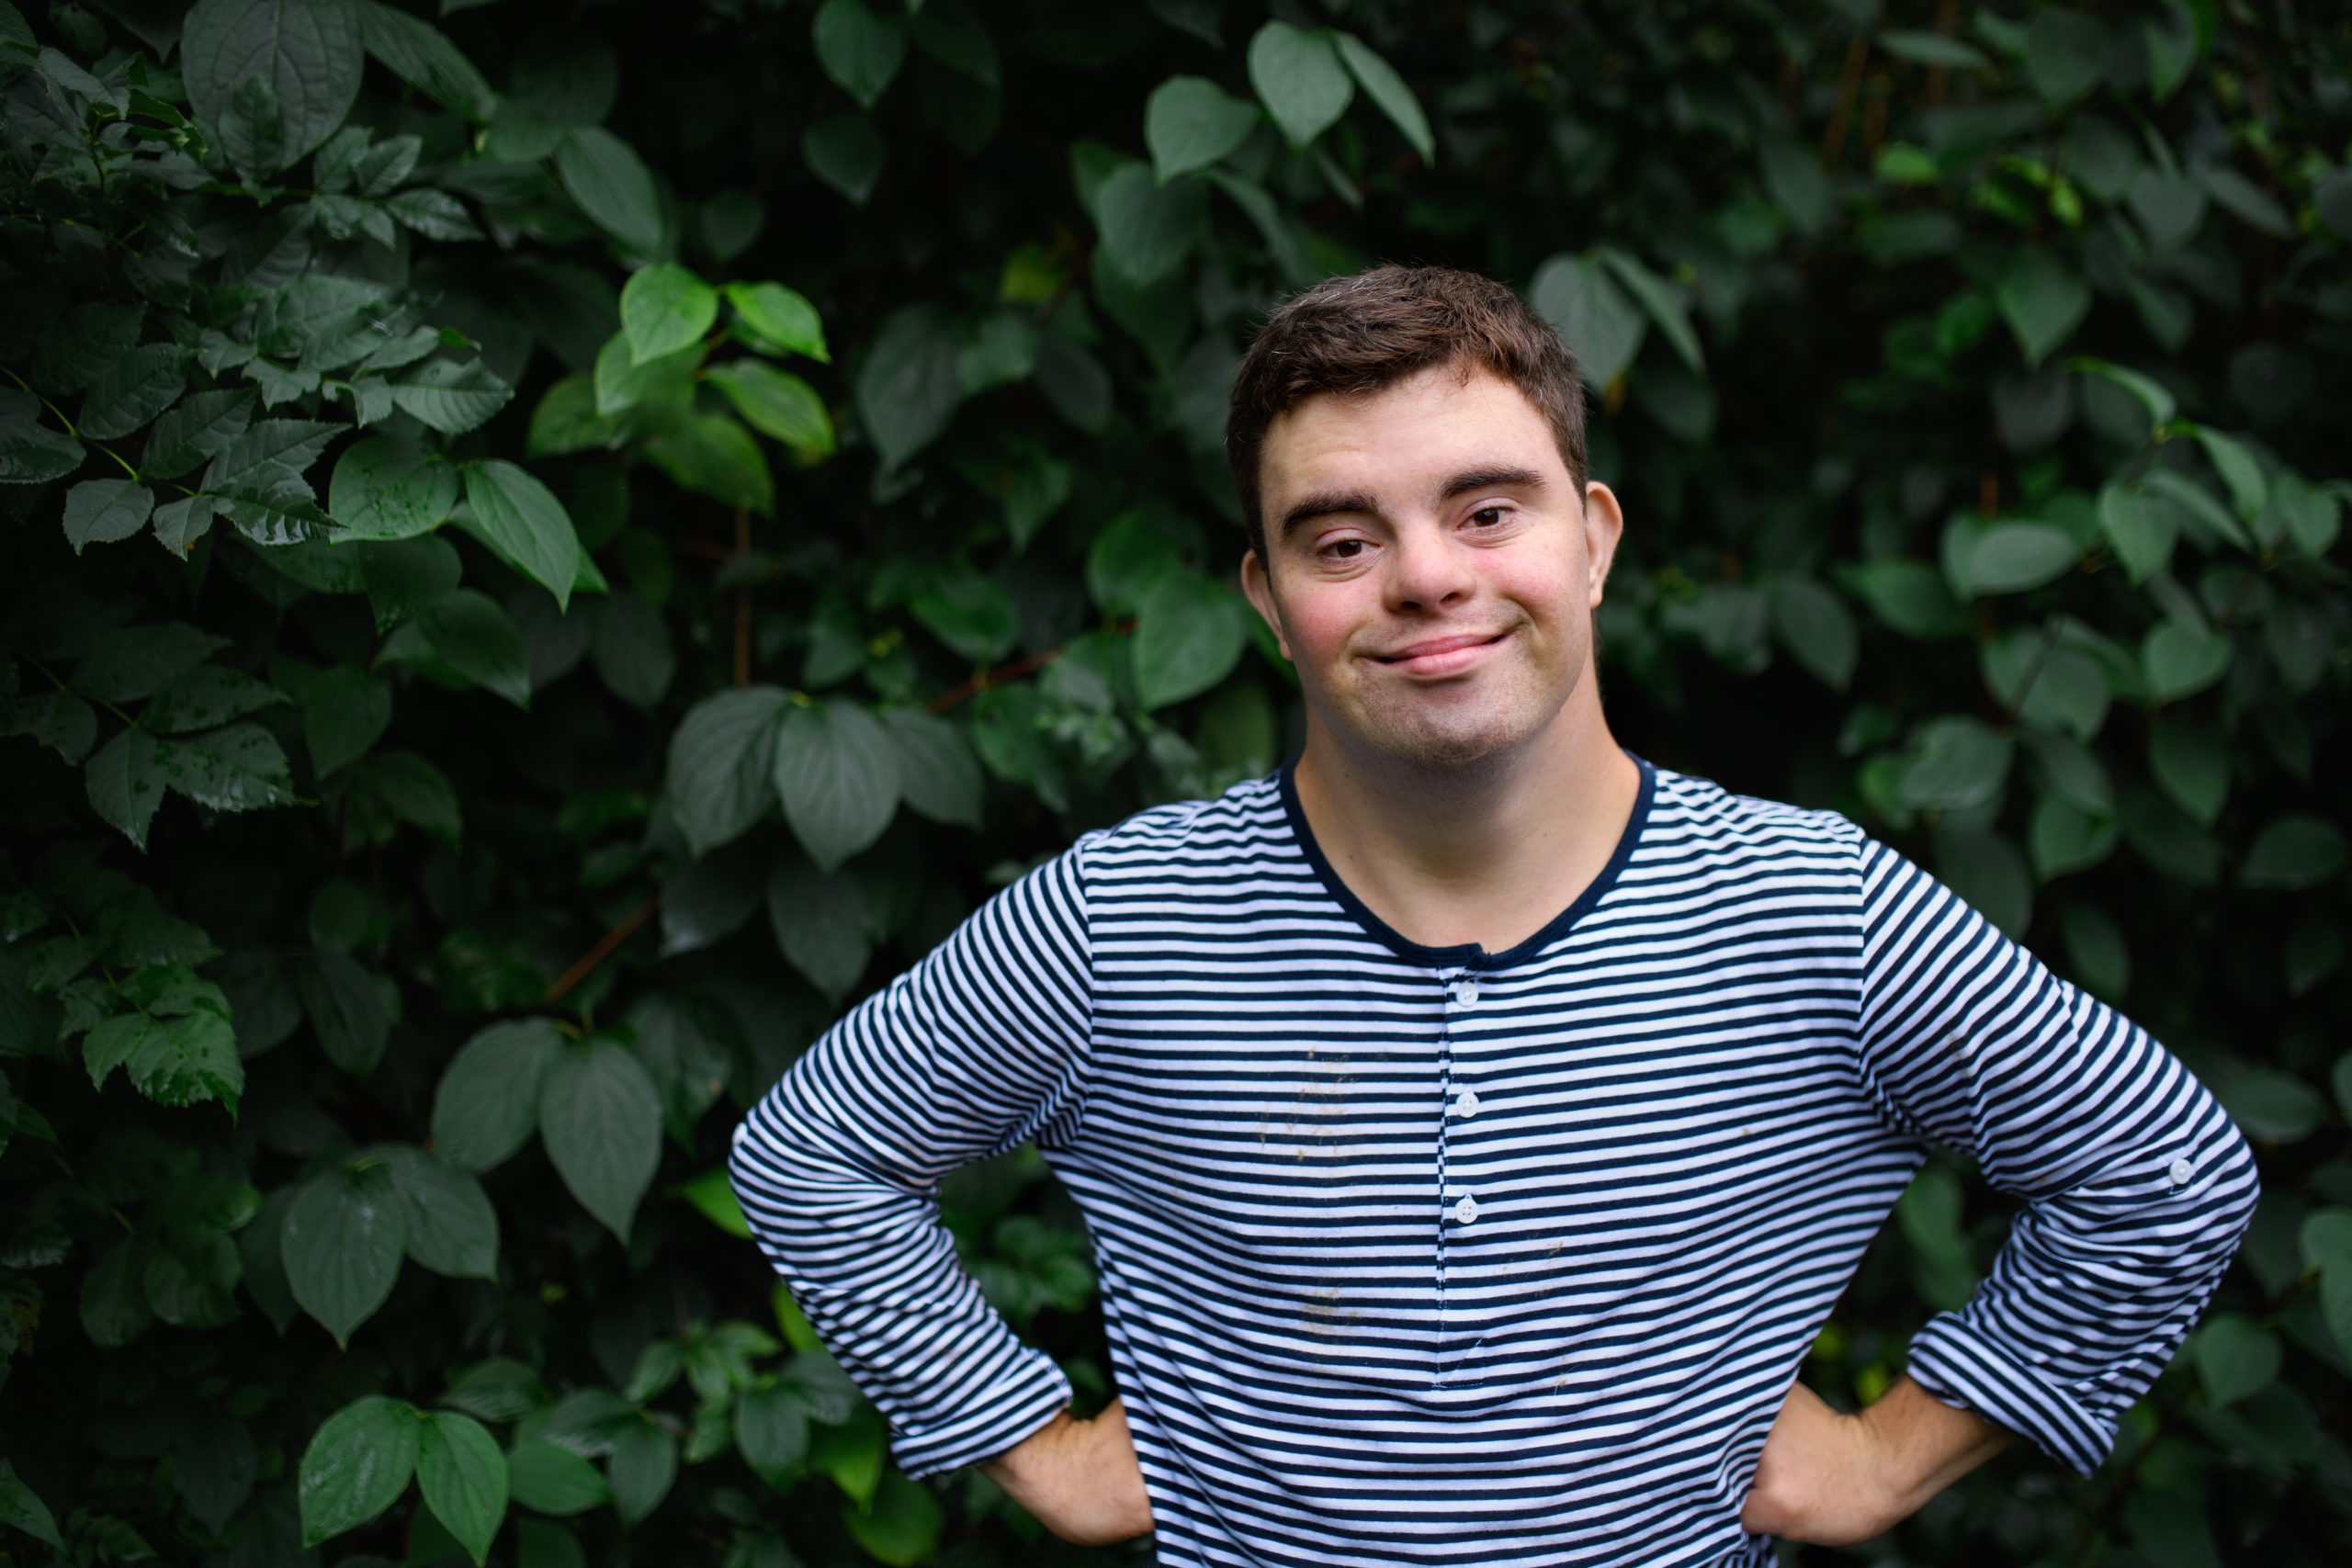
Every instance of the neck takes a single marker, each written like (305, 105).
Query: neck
(1489, 852)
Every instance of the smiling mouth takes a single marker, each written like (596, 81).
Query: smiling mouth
(1440, 652)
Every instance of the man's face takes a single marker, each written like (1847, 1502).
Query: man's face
(1429, 567)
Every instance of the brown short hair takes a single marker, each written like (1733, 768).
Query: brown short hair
(1367, 332)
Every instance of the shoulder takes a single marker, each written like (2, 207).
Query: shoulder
(1699, 817)
(1244, 817)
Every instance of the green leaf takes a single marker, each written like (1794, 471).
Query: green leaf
(2235, 1357)
(421, 55)
(2011, 558)
(771, 1433)
(2294, 852)
(860, 50)
(847, 153)
(643, 1466)
(713, 1195)
(124, 782)
(1954, 763)
(447, 396)
(777, 403)
(937, 773)
(837, 773)
(2142, 528)
(612, 186)
(665, 308)
(713, 455)
(345, 1009)
(623, 384)
(1190, 122)
(488, 1099)
(523, 524)
(2273, 1107)
(463, 1478)
(2192, 766)
(971, 612)
(475, 637)
(779, 320)
(551, 1479)
(2238, 467)
(1147, 227)
(344, 1232)
(907, 387)
(204, 696)
(2043, 300)
(2182, 661)
(601, 1119)
(821, 925)
(1190, 631)
(1662, 304)
(2062, 839)
(631, 648)
(1385, 87)
(903, 1525)
(345, 712)
(99, 512)
(1298, 76)
(2065, 54)
(1601, 327)
(1933, 50)
(132, 390)
(306, 56)
(387, 489)
(358, 1465)
(21, 1509)
(721, 765)
(1816, 628)
(2152, 395)
(172, 1058)
(238, 767)
(452, 1229)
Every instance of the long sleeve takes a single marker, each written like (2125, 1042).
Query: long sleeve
(2137, 1186)
(982, 1045)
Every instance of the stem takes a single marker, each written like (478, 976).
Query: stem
(605, 945)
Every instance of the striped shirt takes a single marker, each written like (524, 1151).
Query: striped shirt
(1435, 1255)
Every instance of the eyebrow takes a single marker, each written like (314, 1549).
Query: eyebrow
(1329, 502)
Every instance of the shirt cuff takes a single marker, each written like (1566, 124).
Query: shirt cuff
(1963, 1367)
(1032, 1391)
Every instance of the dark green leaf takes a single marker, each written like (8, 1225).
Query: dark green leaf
(837, 773)
(488, 1100)
(776, 403)
(937, 773)
(2294, 852)
(601, 1122)
(714, 456)
(132, 390)
(1385, 87)
(238, 767)
(1298, 76)
(423, 56)
(124, 783)
(344, 1232)
(860, 50)
(1601, 327)
(520, 519)
(1190, 122)
(22, 1509)
(1190, 631)
(771, 1433)
(385, 488)
(665, 308)
(306, 56)
(552, 1480)
(451, 1227)
(2043, 300)
(451, 397)
(102, 511)
(847, 153)
(779, 320)
(204, 696)
(642, 1467)
(463, 1478)
(356, 1465)
(821, 925)
(2236, 1356)
(612, 186)
(721, 765)
(1149, 228)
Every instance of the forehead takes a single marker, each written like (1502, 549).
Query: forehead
(1438, 419)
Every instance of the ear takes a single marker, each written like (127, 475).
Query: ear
(1259, 588)
(1604, 526)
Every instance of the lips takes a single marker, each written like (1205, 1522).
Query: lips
(1431, 647)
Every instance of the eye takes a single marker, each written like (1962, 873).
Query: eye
(1341, 549)
(1490, 516)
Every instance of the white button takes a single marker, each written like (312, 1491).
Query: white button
(1465, 1105)
(1465, 993)
(1466, 1210)
(2180, 1173)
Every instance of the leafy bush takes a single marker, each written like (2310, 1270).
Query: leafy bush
(662, 507)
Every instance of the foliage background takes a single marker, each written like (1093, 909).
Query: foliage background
(481, 696)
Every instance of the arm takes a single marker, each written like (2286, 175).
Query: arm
(980, 1046)
(2137, 1189)
(1835, 1480)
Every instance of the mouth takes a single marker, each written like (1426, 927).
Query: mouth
(1441, 655)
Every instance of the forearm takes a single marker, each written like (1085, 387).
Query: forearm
(1925, 1445)
(1079, 1477)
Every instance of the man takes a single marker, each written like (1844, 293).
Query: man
(1475, 1122)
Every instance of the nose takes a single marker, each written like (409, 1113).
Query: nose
(1427, 569)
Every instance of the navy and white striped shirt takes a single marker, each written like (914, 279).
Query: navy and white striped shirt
(1419, 1255)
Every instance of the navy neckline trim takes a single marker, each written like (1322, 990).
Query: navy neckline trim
(1467, 955)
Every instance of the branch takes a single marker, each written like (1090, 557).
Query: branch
(597, 954)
